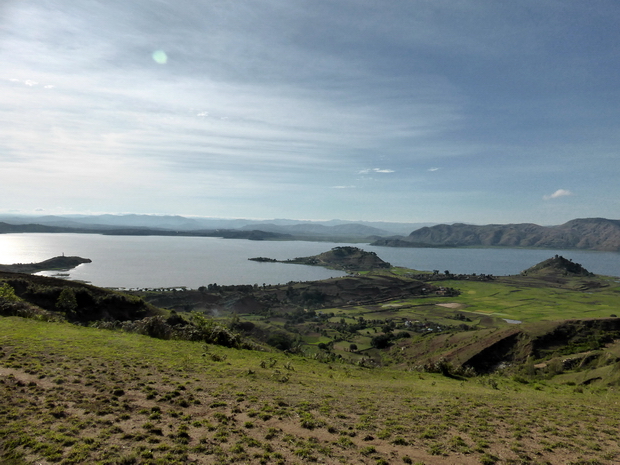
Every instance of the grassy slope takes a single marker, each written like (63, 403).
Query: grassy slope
(79, 395)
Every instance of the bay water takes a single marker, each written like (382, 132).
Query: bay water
(160, 261)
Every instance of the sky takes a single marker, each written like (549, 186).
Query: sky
(477, 111)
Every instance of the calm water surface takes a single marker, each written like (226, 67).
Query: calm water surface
(495, 261)
(155, 261)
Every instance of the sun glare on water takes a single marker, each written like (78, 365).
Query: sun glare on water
(10, 252)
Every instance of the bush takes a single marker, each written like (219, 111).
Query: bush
(154, 327)
(447, 369)
(7, 293)
(280, 341)
(214, 333)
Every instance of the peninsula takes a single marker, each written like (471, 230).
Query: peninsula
(57, 263)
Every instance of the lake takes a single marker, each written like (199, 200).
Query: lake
(159, 261)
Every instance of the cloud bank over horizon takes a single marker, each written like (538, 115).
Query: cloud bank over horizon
(417, 111)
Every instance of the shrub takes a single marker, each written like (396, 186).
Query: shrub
(7, 293)
(66, 301)
(213, 333)
(488, 459)
(368, 450)
(154, 327)
(280, 341)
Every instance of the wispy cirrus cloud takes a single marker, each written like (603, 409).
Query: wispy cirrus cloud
(433, 169)
(557, 194)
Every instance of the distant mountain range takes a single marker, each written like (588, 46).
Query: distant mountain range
(331, 228)
(586, 233)
(358, 230)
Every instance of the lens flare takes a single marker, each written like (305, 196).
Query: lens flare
(160, 57)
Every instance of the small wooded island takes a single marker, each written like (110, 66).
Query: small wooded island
(57, 263)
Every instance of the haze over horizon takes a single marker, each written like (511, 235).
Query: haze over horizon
(479, 111)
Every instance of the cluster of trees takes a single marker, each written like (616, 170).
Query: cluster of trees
(77, 302)
(241, 288)
(384, 340)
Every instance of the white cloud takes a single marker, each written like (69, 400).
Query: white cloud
(375, 170)
(557, 194)
(343, 187)
(433, 169)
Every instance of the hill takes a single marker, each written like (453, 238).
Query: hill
(338, 258)
(559, 266)
(587, 233)
(79, 395)
(33, 228)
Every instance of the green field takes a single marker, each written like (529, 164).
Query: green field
(513, 300)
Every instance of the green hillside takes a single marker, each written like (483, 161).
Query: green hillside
(81, 395)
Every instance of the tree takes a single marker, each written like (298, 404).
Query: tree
(381, 341)
(386, 328)
(66, 300)
(353, 347)
(8, 293)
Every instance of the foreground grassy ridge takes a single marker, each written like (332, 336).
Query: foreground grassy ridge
(79, 395)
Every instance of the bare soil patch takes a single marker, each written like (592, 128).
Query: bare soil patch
(451, 305)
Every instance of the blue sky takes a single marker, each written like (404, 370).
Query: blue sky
(417, 111)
